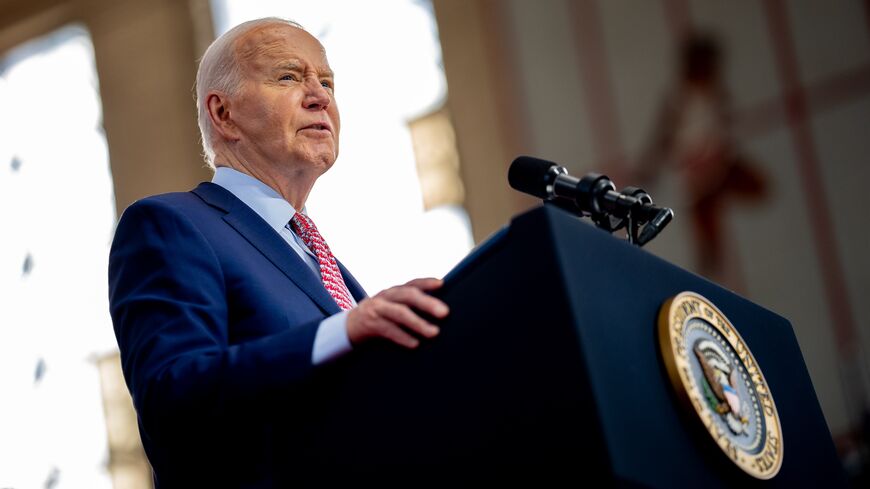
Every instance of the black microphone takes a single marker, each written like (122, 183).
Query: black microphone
(654, 227)
(593, 195)
(534, 176)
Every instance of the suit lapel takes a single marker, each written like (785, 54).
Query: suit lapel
(262, 237)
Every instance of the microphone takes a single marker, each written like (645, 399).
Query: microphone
(534, 176)
(593, 195)
(652, 229)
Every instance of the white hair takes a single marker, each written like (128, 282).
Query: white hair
(219, 70)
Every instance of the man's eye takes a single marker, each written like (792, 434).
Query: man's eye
(288, 77)
(326, 84)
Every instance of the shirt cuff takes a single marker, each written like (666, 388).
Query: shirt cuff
(331, 340)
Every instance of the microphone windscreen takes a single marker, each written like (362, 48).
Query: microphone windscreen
(531, 175)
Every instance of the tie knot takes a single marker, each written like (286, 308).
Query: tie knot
(304, 227)
(302, 224)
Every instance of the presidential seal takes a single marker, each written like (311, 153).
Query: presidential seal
(715, 374)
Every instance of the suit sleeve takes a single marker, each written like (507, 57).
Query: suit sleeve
(169, 309)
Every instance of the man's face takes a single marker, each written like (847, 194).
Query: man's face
(285, 112)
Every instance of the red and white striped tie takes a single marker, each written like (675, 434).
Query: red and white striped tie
(329, 272)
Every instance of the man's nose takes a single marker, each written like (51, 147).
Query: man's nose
(316, 95)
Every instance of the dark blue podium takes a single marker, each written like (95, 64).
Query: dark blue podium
(548, 372)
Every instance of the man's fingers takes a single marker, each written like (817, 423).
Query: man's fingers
(402, 315)
(395, 314)
(426, 283)
(415, 297)
(399, 336)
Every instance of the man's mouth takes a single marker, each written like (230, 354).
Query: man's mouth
(318, 126)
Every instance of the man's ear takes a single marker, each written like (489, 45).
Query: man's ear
(218, 106)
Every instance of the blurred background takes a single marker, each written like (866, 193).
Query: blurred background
(750, 118)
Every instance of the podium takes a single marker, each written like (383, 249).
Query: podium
(548, 372)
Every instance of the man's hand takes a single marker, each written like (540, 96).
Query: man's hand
(390, 314)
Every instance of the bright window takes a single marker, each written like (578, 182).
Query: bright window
(57, 213)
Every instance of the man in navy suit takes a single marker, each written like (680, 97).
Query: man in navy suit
(225, 311)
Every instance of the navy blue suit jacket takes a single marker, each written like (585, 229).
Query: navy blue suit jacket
(215, 317)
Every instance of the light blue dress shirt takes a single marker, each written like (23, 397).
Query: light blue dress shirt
(331, 340)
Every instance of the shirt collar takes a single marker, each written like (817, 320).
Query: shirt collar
(261, 198)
